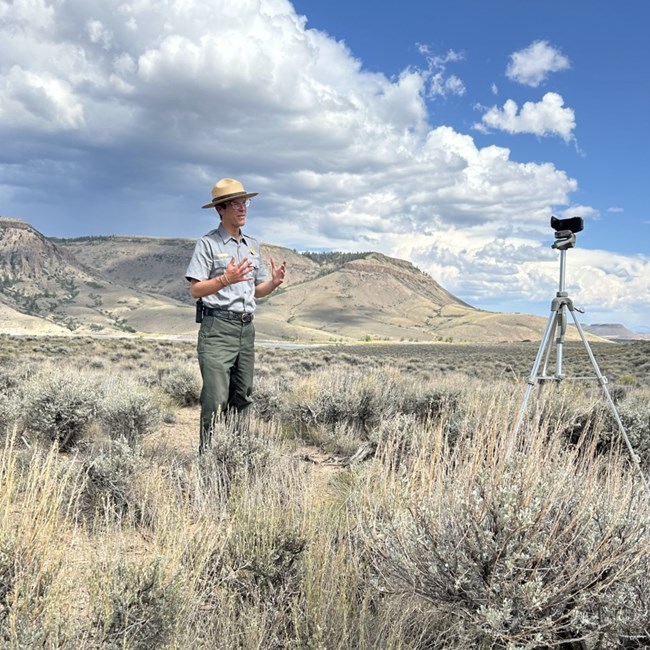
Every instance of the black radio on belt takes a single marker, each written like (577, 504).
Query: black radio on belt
(199, 311)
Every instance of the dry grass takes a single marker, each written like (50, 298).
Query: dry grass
(437, 539)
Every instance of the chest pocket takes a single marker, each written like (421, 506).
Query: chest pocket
(219, 266)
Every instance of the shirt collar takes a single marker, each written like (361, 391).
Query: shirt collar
(226, 236)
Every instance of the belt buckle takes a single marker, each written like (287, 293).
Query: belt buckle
(246, 317)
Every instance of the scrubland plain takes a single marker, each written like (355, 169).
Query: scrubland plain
(368, 501)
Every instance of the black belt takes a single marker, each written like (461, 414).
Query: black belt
(240, 316)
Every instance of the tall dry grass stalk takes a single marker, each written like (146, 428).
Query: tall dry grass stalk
(37, 509)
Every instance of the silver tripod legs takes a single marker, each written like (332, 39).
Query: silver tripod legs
(544, 351)
(557, 325)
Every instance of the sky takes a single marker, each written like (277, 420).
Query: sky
(443, 132)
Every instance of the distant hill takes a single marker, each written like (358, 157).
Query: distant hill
(121, 284)
(615, 332)
(44, 281)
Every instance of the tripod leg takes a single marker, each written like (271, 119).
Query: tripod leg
(603, 384)
(544, 347)
(561, 319)
(551, 337)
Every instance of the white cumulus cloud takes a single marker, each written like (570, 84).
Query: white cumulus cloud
(546, 118)
(532, 65)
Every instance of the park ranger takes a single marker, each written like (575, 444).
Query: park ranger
(226, 275)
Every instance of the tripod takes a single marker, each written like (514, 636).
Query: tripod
(565, 238)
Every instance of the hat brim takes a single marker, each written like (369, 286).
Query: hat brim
(230, 197)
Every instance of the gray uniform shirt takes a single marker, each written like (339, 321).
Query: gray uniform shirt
(210, 259)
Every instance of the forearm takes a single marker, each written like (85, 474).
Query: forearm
(203, 288)
(265, 288)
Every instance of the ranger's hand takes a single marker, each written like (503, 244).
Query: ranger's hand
(238, 271)
(278, 272)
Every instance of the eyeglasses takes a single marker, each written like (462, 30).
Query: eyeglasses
(240, 204)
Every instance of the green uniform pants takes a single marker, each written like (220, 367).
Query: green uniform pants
(226, 350)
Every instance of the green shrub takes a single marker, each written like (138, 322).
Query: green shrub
(263, 568)
(130, 410)
(432, 398)
(182, 382)
(138, 608)
(631, 609)
(14, 375)
(634, 412)
(395, 432)
(25, 583)
(8, 571)
(238, 450)
(255, 568)
(110, 485)
(9, 413)
(528, 553)
(270, 396)
(576, 411)
(59, 405)
(350, 397)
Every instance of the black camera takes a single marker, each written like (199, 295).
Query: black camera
(565, 231)
(573, 224)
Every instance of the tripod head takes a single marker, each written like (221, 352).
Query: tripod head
(565, 231)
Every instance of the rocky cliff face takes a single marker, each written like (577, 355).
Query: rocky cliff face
(34, 273)
(25, 254)
(40, 279)
(410, 276)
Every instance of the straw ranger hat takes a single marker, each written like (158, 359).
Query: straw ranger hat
(228, 189)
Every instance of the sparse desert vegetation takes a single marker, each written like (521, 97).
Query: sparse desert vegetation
(367, 502)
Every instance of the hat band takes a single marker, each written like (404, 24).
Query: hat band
(225, 197)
